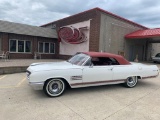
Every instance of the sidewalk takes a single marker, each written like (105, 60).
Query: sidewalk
(20, 65)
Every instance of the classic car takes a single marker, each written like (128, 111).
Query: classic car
(87, 69)
(156, 59)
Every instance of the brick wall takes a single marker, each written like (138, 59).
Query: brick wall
(95, 33)
(5, 37)
(5, 44)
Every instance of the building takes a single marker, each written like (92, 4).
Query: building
(91, 30)
(105, 32)
(23, 41)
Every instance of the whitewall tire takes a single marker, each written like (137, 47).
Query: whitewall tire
(131, 82)
(54, 87)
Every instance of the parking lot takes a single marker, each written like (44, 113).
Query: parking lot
(113, 102)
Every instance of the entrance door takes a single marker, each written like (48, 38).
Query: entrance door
(136, 50)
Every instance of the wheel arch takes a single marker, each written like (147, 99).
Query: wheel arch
(66, 82)
(138, 76)
(131, 81)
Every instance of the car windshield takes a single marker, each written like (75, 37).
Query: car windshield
(79, 59)
(158, 55)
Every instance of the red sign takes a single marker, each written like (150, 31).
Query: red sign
(71, 35)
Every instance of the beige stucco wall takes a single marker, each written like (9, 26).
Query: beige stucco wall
(112, 32)
(71, 49)
(155, 49)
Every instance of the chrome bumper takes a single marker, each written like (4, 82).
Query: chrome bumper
(37, 85)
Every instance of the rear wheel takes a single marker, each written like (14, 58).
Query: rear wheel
(54, 87)
(131, 82)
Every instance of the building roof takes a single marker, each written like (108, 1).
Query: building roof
(144, 33)
(119, 58)
(17, 28)
(104, 11)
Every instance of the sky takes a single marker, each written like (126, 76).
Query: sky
(39, 12)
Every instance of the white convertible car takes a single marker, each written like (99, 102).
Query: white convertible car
(87, 69)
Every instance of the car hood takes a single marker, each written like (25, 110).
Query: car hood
(45, 66)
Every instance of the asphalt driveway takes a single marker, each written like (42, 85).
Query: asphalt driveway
(113, 102)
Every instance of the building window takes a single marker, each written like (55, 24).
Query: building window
(46, 47)
(51, 47)
(13, 45)
(41, 47)
(28, 46)
(20, 46)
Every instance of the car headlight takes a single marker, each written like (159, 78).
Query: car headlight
(28, 74)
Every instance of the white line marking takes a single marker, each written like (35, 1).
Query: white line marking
(3, 77)
(21, 82)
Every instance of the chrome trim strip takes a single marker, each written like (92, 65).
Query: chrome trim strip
(149, 77)
(98, 82)
(78, 77)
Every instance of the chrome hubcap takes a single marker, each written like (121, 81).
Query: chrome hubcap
(132, 81)
(55, 87)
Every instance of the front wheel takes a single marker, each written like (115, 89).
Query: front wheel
(131, 82)
(54, 87)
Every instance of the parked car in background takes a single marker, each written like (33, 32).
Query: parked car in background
(87, 69)
(156, 59)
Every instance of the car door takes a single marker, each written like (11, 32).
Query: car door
(97, 75)
(122, 72)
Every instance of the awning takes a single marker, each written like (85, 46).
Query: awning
(148, 33)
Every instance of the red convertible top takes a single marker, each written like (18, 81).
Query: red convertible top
(119, 58)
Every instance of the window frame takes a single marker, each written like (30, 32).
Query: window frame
(48, 48)
(17, 46)
(10, 46)
(104, 61)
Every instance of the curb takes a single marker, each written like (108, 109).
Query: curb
(13, 69)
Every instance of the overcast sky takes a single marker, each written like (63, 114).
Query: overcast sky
(39, 12)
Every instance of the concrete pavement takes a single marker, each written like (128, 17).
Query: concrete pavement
(113, 102)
